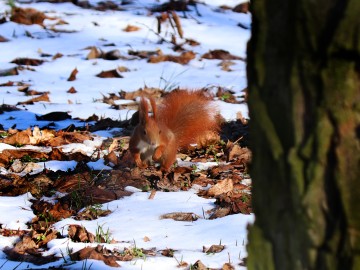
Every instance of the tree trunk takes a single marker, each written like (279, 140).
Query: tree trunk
(304, 102)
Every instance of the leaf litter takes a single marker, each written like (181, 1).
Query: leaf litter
(79, 193)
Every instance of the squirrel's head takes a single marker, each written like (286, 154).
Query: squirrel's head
(149, 129)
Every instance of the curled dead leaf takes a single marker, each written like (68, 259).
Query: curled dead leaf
(27, 61)
(234, 151)
(184, 58)
(43, 97)
(79, 233)
(72, 76)
(131, 28)
(214, 249)
(109, 74)
(95, 253)
(180, 216)
(9, 72)
(221, 54)
(27, 16)
(223, 186)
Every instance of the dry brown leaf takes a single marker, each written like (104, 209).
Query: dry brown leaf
(131, 28)
(96, 253)
(111, 157)
(78, 233)
(72, 76)
(234, 151)
(214, 249)
(192, 42)
(58, 212)
(184, 58)
(220, 212)
(198, 265)
(57, 55)
(228, 266)
(27, 16)
(223, 186)
(180, 216)
(221, 54)
(27, 61)
(31, 256)
(62, 137)
(3, 39)
(43, 97)
(72, 90)
(9, 72)
(94, 53)
(8, 155)
(242, 8)
(109, 74)
(226, 64)
(146, 239)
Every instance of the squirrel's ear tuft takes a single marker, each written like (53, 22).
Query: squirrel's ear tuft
(153, 105)
(143, 111)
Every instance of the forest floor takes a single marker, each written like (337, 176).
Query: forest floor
(70, 194)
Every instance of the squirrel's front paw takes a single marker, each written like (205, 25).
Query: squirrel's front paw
(139, 163)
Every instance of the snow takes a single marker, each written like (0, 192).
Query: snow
(133, 217)
(16, 211)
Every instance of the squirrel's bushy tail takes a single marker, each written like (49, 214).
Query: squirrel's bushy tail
(189, 115)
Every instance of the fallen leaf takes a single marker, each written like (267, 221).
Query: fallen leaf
(184, 58)
(180, 216)
(43, 97)
(192, 42)
(221, 187)
(53, 116)
(213, 249)
(198, 265)
(111, 157)
(94, 53)
(146, 239)
(27, 16)
(109, 74)
(145, 54)
(95, 254)
(72, 76)
(234, 151)
(3, 39)
(221, 54)
(37, 258)
(27, 61)
(72, 90)
(58, 212)
(78, 233)
(9, 72)
(220, 212)
(242, 8)
(57, 55)
(131, 28)
(226, 64)
(168, 252)
(228, 266)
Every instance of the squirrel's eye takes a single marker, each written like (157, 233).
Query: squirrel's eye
(144, 132)
(159, 131)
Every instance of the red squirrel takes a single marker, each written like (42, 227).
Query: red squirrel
(182, 117)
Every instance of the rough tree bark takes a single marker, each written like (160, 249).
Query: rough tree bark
(304, 101)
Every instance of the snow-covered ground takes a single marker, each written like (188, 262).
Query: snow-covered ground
(133, 218)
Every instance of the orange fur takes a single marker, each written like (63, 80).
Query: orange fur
(181, 118)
